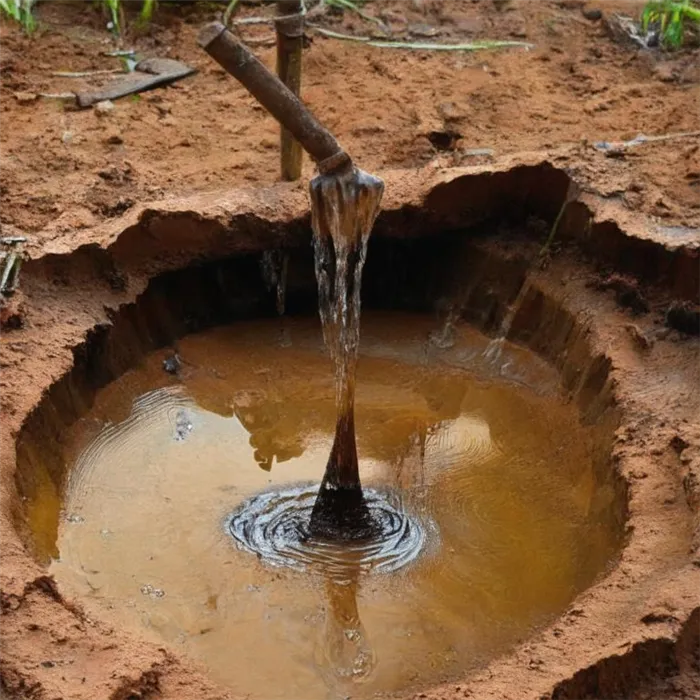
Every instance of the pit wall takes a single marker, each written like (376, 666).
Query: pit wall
(469, 236)
(403, 275)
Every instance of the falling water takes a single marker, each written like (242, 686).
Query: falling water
(495, 347)
(343, 209)
(274, 265)
(274, 268)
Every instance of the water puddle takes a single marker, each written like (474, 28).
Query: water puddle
(185, 512)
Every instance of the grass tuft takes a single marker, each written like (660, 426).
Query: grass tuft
(21, 12)
(671, 18)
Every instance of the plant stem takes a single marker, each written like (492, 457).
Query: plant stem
(147, 11)
(421, 46)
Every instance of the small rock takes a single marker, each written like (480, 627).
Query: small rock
(11, 315)
(67, 137)
(627, 292)
(451, 111)
(25, 98)
(641, 340)
(390, 17)
(666, 72)
(103, 108)
(172, 364)
(515, 25)
(684, 316)
(592, 14)
(657, 616)
(678, 444)
(113, 138)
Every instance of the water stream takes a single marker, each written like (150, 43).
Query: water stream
(343, 209)
(495, 347)
(273, 265)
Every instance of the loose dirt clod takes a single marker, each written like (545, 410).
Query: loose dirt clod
(684, 317)
(627, 292)
(642, 340)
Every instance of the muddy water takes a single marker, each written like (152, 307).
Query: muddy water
(498, 475)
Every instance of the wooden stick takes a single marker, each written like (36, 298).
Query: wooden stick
(290, 42)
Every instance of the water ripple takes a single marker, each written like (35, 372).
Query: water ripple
(275, 526)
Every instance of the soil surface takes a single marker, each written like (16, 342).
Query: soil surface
(66, 169)
(189, 171)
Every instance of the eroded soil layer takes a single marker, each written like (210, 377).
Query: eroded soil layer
(597, 312)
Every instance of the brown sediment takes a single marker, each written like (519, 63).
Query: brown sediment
(82, 328)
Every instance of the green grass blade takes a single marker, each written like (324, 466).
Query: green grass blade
(147, 9)
(10, 8)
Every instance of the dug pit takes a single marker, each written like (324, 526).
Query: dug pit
(490, 508)
(541, 500)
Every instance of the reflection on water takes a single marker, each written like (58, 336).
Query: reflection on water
(344, 655)
(501, 471)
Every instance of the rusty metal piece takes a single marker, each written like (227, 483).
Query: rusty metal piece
(273, 95)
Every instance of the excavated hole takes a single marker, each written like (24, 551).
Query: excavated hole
(129, 473)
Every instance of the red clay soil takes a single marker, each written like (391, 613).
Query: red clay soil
(64, 169)
(206, 156)
(634, 634)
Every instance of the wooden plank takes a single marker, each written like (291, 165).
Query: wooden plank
(149, 74)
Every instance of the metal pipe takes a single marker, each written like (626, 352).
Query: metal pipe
(274, 96)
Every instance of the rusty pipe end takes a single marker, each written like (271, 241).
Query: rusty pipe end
(209, 33)
(335, 164)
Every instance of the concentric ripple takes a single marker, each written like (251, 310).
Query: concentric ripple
(275, 526)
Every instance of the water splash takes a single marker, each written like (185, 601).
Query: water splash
(343, 209)
(275, 525)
